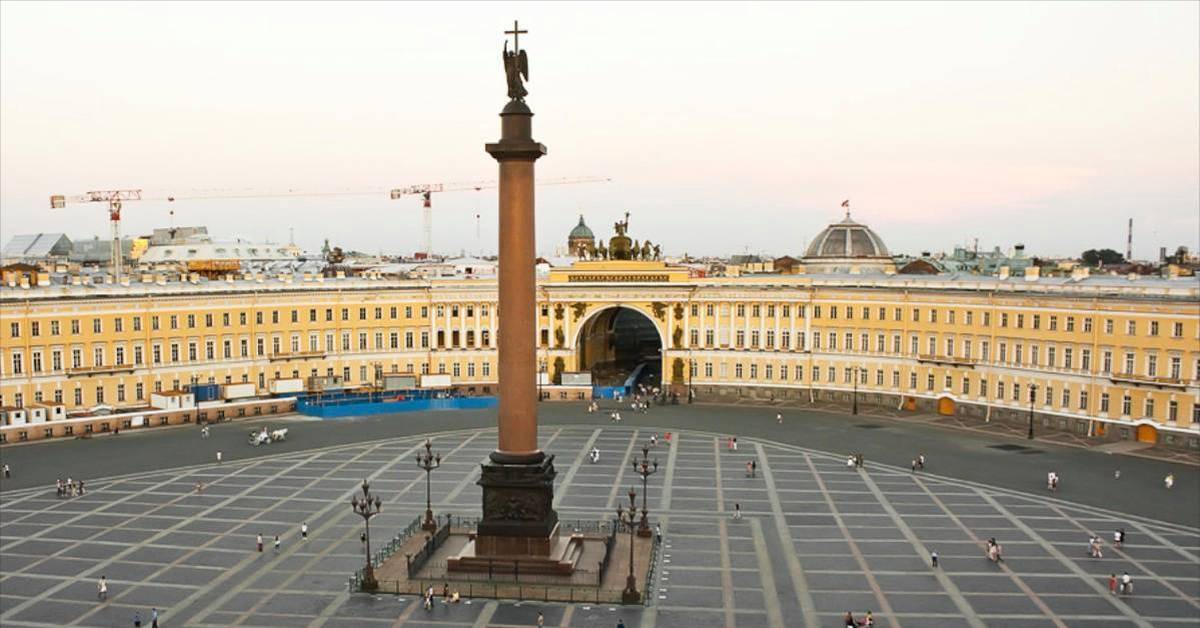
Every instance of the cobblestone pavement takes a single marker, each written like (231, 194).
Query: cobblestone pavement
(817, 539)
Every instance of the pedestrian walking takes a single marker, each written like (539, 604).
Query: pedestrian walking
(748, 472)
(7, 471)
(779, 418)
(737, 511)
(102, 589)
(276, 543)
(1117, 474)
(541, 620)
(658, 532)
(258, 542)
(933, 559)
(921, 461)
(137, 619)
(304, 531)
(848, 620)
(914, 465)
(735, 443)
(218, 457)
(868, 621)
(1126, 584)
(154, 618)
(620, 623)
(654, 440)
(1112, 583)
(754, 468)
(1169, 481)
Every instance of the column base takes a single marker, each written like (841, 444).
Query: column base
(518, 514)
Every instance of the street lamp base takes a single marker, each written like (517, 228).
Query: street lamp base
(631, 596)
(645, 532)
(369, 583)
(430, 524)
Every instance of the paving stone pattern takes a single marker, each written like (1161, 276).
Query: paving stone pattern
(816, 539)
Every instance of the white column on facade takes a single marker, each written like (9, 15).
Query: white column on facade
(762, 324)
(478, 320)
(792, 325)
(733, 324)
(492, 330)
(449, 326)
(717, 324)
(687, 326)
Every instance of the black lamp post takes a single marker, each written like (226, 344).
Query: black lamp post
(366, 508)
(645, 468)
(629, 518)
(691, 369)
(428, 461)
(541, 375)
(854, 409)
(1032, 398)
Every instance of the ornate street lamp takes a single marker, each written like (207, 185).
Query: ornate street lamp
(366, 508)
(629, 519)
(645, 468)
(691, 369)
(1032, 397)
(428, 461)
(854, 410)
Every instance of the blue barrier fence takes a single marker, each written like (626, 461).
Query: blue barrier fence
(338, 405)
(608, 392)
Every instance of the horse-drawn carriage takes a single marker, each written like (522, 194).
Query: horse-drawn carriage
(266, 436)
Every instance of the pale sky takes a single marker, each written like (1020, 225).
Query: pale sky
(724, 127)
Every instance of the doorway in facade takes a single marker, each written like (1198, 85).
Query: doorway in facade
(1147, 434)
(621, 346)
(946, 406)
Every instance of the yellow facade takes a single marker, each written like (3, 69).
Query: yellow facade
(1104, 350)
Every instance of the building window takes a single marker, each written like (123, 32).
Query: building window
(1149, 407)
(1103, 403)
(1176, 329)
(737, 370)
(1153, 328)
(1126, 405)
(1083, 400)
(1172, 411)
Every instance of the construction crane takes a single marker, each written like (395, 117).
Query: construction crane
(114, 199)
(426, 192)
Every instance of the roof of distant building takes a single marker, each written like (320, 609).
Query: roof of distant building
(37, 246)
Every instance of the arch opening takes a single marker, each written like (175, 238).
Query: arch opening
(618, 343)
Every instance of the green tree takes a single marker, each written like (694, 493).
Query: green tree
(1094, 257)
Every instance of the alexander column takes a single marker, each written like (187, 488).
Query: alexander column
(518, 481)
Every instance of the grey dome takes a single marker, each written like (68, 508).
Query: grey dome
(581, 230)
(847, 239)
